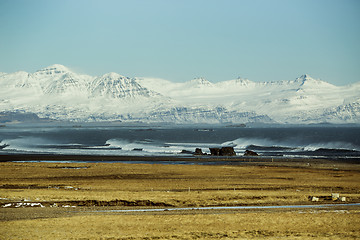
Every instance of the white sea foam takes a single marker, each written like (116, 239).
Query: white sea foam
(331, 145)
(157, 147)
(24, 143)
(243, 143)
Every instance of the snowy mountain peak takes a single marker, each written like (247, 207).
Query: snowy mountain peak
(68, 83)
(200, 82)
(114, 85)
(54, 69)
(309, 82)
(242, 81)
(113, 75)
(235, 84)
(18, 80)
(304, 78)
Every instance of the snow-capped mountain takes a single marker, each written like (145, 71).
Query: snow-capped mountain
(58, 79)
(113, 85)
(59, 93)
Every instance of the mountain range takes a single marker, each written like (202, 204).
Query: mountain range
(58, 93)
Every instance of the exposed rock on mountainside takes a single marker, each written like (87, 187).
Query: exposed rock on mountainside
(113, 85)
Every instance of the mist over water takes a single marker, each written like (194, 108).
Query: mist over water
(163, 141)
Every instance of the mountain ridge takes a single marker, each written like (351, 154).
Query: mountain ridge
(57, 92)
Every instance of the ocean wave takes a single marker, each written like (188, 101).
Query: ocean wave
(146, 146)
(270, 148)
(23, 144)
(287, 145)
(331, 145)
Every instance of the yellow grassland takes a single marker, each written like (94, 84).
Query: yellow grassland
(178, 186)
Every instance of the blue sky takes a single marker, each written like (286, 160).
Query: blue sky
(262, 40)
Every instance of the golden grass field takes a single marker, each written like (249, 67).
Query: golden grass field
(83, 185)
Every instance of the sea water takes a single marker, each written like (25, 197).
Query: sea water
(170, 140)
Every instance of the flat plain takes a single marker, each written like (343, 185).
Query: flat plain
(58, 200)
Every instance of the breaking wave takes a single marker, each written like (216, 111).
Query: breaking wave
(269, 144)
(23, 144)
(157, 147)
(271, 147)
